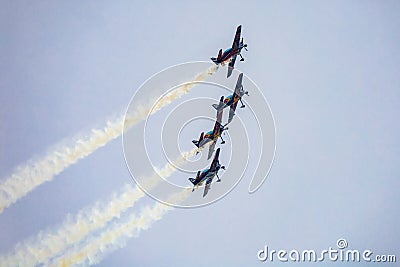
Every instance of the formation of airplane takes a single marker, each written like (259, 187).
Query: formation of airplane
(232, 52)
(206, 176)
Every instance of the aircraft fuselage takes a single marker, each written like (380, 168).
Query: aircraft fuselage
(210, 136)
(230, 52)
(206, 174)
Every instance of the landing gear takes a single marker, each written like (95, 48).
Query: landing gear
(223, 141)
(241, 58)
(219, 180)
(242, 104)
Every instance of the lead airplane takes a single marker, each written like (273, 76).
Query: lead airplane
(231, 53)
(213, 135)
(232, 100)
(208, 175)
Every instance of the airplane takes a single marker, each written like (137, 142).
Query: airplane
(232, 100)
(213, 135)
(231, 53)
(208, 175)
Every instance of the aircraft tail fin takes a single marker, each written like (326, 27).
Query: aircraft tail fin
(197, 142)
(193, 180)
(219, 55)
(217, 60)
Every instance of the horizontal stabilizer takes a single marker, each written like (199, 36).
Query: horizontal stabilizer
(218, 107)
(221, 105)
(214, 60)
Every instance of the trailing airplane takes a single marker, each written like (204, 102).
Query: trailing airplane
(232, 100)
(231, 53)
(213, 135)
(208, 175)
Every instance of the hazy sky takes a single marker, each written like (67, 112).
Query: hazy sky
(329, 70)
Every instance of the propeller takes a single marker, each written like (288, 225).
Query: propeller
(243, 44)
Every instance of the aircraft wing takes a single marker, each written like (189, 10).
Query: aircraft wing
(207, 187)
(236, 97)
(236, 41)
(232, 111)
(239, 84)
(219, 112)
(219, 118)
(215, 161)
(211, 149)
(235, 45)
(231, 65)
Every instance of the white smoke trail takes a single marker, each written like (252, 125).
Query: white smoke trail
(113, 238)
(27, 178)
(49, 244)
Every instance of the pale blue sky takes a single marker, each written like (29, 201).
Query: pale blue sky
(329, 70)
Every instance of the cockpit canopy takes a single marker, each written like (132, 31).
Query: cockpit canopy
(227, 50)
